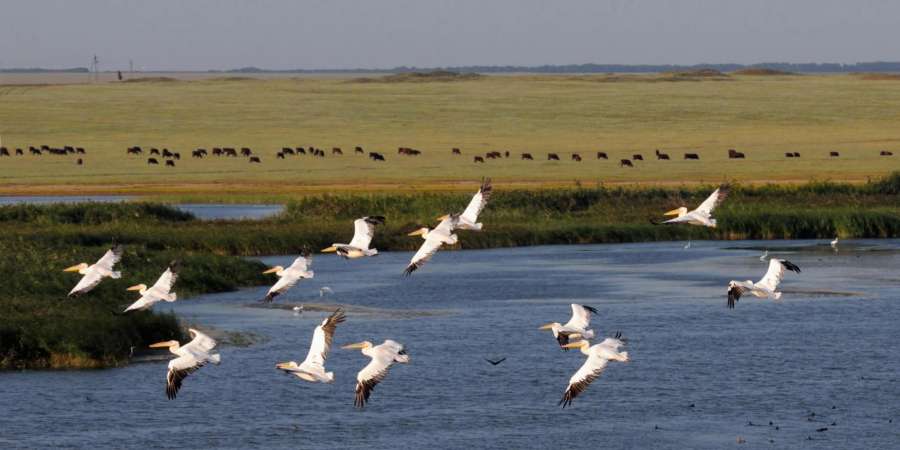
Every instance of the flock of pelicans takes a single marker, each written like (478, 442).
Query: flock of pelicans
(573, 334)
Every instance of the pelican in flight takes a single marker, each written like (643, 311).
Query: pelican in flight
(468, 220)
(575, 328)
(434, 239)
(312, 368)
(834, 243)
(764, 256)
(597, 358)
(160, 291)
(290, 276)
(191, 356)
(96, 272)
(703, 214)
(764, 288)
(362, 236)
(383, 357)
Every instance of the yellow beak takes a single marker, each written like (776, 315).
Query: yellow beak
(161, 344)
(283, 365)
(329, 249)
(546, 327)
(444, 217)
(418, 232)
(673, 212)
(272, 270)
(136, 287)
(574, 344)
(74, 268)
(353, 346)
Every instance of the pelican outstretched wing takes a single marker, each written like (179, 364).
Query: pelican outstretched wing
(714, 200)
(426, 251)
(364, 231)
(111, 257)
(478, 202)
(776, 273)
(163, 286)
(589, 371)
(734, 294)
(322, 337)
(581, 316)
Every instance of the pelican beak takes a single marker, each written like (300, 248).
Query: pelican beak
(353, 346)
(575, 335)
(282, 366)
(418, 232)
(272, 270)
(161, 344)
(329, 249)
(673, 212)
(444, 217)
(573, 345)
(549, 326)
(74, 268)
(136, 287)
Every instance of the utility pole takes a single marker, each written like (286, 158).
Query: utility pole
(95, 67)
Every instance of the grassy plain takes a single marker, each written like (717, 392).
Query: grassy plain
(762, 116)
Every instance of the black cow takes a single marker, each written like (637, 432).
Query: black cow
(834, 154)
(602, 155)
(166, 153)
(359, 150)
(552, 157)
(375, 156)
(661, 156)
(625, 163)
(886, 153)
(691, 156)
(796, 154)
(80, 150)
(301, 150)
(455, 151)
(255, 159)
(19, 152)
(576, 157)
(246, 151)
(79, 161)
(527, 156)
(637, 157)
(152, 161)
(170, 163)
(337, 151)
(279, 155)
(478, 159)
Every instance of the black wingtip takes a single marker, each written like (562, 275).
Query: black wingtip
(790, 266)
(375, 220)
(410, 269)
(590, 308)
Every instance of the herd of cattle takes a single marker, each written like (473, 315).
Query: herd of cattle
(169, 157)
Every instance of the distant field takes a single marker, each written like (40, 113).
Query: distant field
(762, 116)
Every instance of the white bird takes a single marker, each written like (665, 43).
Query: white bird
(297, 310)
(312, 369)
(383, 357)
(290, 276)
(688, 245)
(161, 291)
(362, 237)
(434, 239)
(95, 273)
(468, 220)
(325, 290)
(191, 357)
(703, 214)
(575, 328)
(597, 358)
(834, 243)
(764, 288)
(764, 256)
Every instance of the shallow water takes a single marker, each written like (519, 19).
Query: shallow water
(202, 211)
(700, 373)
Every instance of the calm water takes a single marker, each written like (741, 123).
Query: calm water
(202, 211)
(701, 373)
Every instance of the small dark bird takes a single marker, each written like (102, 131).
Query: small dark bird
(493, 362)
(819, 430)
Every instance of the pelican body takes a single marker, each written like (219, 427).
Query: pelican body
(598, 356)
(95, 273)
(468, 219)
(701, 216)
(364, 231)
(383, 357)
(575, 328)
(290, 276)
(434, 239)
(312, 369)
(191, 357)
(160, 291)
(764, 288)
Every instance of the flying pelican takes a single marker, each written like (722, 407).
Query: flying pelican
(597, 358)
(362, 237)
(688, 245)
(703, 214)
(162, 290)
(191, 356)
(442, 234)
(575, 328)
(95, 273)
(325, 290)
(468, 220)
(764, 288)
(764, 256)
(312, 368)
(290, 276)
(383, 357)
(834, 243)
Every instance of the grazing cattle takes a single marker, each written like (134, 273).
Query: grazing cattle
(255, 159)
(301, 150)
(176, 155)
(166, 153)
(796, 154)
(552, 157)
(134, 151)
(19, 152)
(691, 156)
(245, 151)
(527, 156)
(506, 154)
(625, 163)
(492, 155)
(217, 151)
(789, 155)
(602, 155)
(287, 151)
(734, 154)
(34, 151)
(320, 153)
(408, 151)
(834, 154)
(661, 156)
(152, 161)
(576, 157)
(375, 156)
(79, 161)
(80, 150)
(229, 151)
(154, 151)
(170, 163)
(637, 157)
(359, 150)
(886, 153)
(69, 149)
(455, 151)
(279, 155)
(337, 151)
(4, 151)
(478, 159)
(197, 154)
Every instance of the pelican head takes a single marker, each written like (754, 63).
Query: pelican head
(677, 212)
(420, 232)
(361, 345)
(164, 344)
(138, 287)
(76, 268)
(331, 249)
(275, 269)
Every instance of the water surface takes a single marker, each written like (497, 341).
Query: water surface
(202, 211)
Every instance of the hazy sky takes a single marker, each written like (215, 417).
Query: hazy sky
(221, 34)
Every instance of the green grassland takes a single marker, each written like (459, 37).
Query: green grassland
(763, 116)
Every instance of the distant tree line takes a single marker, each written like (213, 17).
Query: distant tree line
(41, 70)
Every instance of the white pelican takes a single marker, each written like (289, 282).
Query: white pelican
(383, 357)
(325, 290)
(468, 220)
(191, 356)
(312, 368)
(703, 214)
(764, 256)
(764, 288)
(442, 234)
(95, 273)
(362, 237)
(290, 276)
(834, 243)
(160, 291)
(597, 358)
(575, 328)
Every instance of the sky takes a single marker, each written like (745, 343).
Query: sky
(341, 34)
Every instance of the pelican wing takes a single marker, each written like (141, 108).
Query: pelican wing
(734, 294)
(478, 202)
(714, 200)
(581, 316)
(364, 231)
(322, 337)
(369, 377)
(613, 343)
(111, 257)
(89, 281)
(301, 264)
(776, 273)
(201, 343)
(163, 285)
(179, 369)
(589, 371)
(426, 251)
